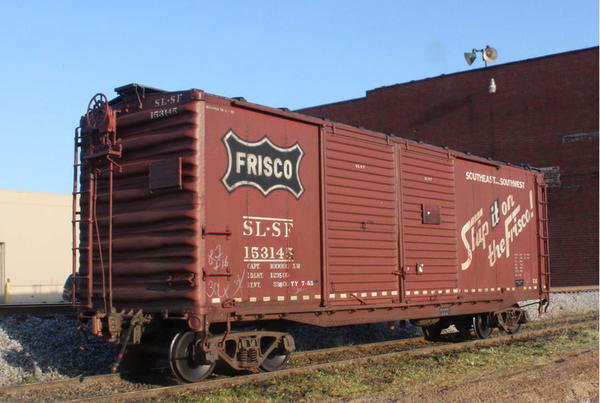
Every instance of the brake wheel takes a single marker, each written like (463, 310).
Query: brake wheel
(97, 111)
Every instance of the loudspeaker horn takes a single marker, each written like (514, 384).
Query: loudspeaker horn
(470, 57)
(490, 54)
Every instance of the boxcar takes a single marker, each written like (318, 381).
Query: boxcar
(205, 224)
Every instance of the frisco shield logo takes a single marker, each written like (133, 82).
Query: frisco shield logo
(263, 165)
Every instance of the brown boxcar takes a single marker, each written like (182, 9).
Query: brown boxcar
(197, 214)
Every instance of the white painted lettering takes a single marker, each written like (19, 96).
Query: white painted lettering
(463, 235)
(258, 230)
(276, 229)
(288, 228)
(251, 164)
(268, 166)
(287, 169)
(276, 170)
(247, 224)
(240, 161)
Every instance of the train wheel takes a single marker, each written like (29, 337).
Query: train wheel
(513, 329)
(277, 358)
(186, 358)
(483, 326)
(510, 320)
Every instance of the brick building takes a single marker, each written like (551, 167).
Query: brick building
(543, 113)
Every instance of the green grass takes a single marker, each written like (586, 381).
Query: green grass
(29, 379)
(402, 374)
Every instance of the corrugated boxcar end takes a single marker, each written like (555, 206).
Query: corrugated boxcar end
(197, 214)
(141, 227)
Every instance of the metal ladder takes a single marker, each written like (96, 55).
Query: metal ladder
(79, 216)
(543, 236)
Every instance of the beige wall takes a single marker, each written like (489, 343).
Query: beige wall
(35, 230)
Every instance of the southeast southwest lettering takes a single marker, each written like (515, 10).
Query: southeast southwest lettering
(262, 165)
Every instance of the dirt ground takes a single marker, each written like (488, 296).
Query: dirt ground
(569, 378)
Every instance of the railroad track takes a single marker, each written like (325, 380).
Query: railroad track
(61, 307)
(574, 289)
(120, 387)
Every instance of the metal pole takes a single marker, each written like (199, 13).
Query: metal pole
(90, 265)
(6, 291)
(74, 219)
(110, 219)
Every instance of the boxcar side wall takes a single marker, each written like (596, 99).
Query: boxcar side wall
(261, 231)
(361, 222)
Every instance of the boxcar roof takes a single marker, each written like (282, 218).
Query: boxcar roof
(134, 90)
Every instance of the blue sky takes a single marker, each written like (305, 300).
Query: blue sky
(55, 55)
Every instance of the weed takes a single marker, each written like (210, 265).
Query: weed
(29, 379)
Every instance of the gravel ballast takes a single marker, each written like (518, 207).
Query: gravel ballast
(47, 347)
(562, 303)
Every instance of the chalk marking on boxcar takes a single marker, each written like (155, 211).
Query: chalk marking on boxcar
(238, 281)
(217, 259)
(215, 289)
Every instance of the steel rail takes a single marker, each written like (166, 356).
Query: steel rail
(13, 390)
(579, 288)
(9, 309)
(299, 360)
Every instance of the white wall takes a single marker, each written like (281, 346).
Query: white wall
(35, 229)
